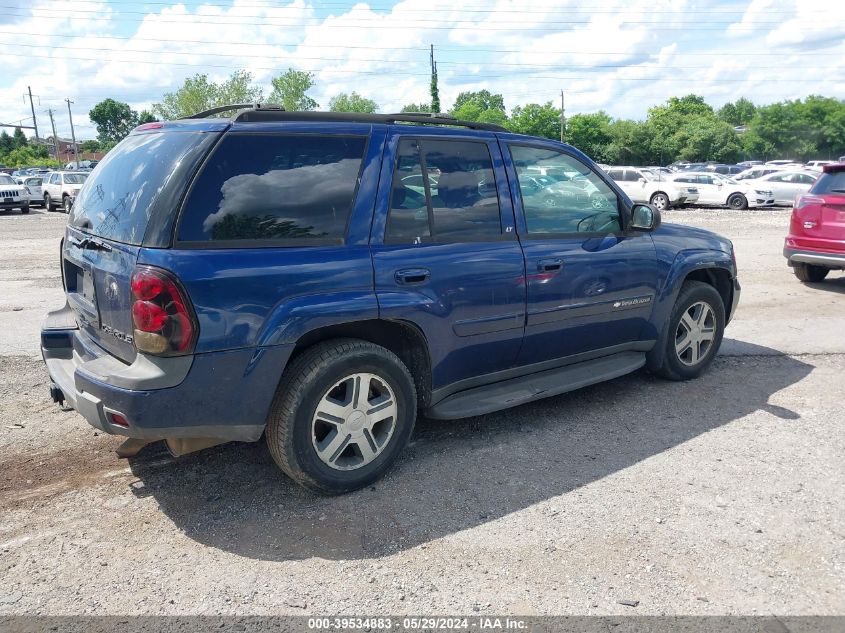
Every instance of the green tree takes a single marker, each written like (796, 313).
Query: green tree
(146, 117)
(629, 144)
(6, 144)
(90, 146)
(198, 94)
(480, 106)
(434, 89)
(482, 99)
(739, 113)
(26, 156)
(591, 134)
(352, 102)
(536, 120)
(417, 107)
(19, 138)
(289, 90)
(113, 119)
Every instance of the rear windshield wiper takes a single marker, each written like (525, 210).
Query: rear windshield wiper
(90, 244)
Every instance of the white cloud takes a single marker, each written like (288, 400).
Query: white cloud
(622, 57)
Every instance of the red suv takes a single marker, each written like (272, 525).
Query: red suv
(816, 241)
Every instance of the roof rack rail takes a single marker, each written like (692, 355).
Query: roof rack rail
(420, 118)
(235, 106)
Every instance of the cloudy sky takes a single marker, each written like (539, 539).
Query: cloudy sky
(622, 56)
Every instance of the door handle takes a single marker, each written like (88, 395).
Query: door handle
(412, 276)
(549, 265)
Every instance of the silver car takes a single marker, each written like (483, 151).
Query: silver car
(785, 185)
(34, 185)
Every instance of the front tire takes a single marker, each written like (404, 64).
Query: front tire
(343, 412)
(738, 202)
(810, 273)
(660, 201)
(25, 208)
(67, 205)
(48, 203)
(695, 332)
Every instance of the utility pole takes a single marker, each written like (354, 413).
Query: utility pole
(72, 134)
(55, 138)
(32, 107)
(562, 117)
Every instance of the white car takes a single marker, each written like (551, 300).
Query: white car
(786, 184)
(753, 173)
(62, 186)
(33, 186)
(13, 195)
(718, 190)
(816, 165)
(641, 185)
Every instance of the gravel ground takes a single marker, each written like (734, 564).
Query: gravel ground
(717, 496)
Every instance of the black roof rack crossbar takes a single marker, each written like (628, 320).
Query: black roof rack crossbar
(235, 106)
(422, 118)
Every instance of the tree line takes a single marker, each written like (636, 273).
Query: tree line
(682, 128)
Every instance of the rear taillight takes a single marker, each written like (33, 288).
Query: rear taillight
(161, 313)
(806, 200)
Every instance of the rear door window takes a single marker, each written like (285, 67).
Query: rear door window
(458, 200)
(270, 187)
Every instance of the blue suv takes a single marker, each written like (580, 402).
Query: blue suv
(319, 278)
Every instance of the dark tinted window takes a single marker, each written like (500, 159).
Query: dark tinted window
(804, 179)
(632, 176)
(616, 174)
(274, 187)
(460, 201)
(408, 220)
(830, 182)
(116, 199)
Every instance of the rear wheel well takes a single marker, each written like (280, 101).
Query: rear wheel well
(720, 279)
(401, 338)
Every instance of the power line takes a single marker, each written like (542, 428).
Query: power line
(409, 74)
(369, 59)
(464, 8)
(231, 20)
(463, 51)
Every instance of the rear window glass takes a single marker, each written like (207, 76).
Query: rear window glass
(116, 199)
(274, 187)
(830, 182)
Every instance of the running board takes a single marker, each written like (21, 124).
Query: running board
(516, 391)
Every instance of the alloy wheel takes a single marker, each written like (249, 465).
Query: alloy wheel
(354, 421)
(695, 333)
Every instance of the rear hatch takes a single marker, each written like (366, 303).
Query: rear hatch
(828, 205)
(129, 201)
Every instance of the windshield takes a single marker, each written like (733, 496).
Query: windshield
(117, 198)
(75, 179)
(6, 180)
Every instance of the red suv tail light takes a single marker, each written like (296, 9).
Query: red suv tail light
(161, 313)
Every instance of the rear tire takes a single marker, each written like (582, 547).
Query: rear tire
(695, 332)
(660, 201)
(738, 202)
(810, 273)
(324, 432)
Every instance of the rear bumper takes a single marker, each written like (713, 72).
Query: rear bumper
(817, 258)
(224, 395)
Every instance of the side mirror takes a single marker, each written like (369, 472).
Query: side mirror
(641, 180)
(645, 217)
